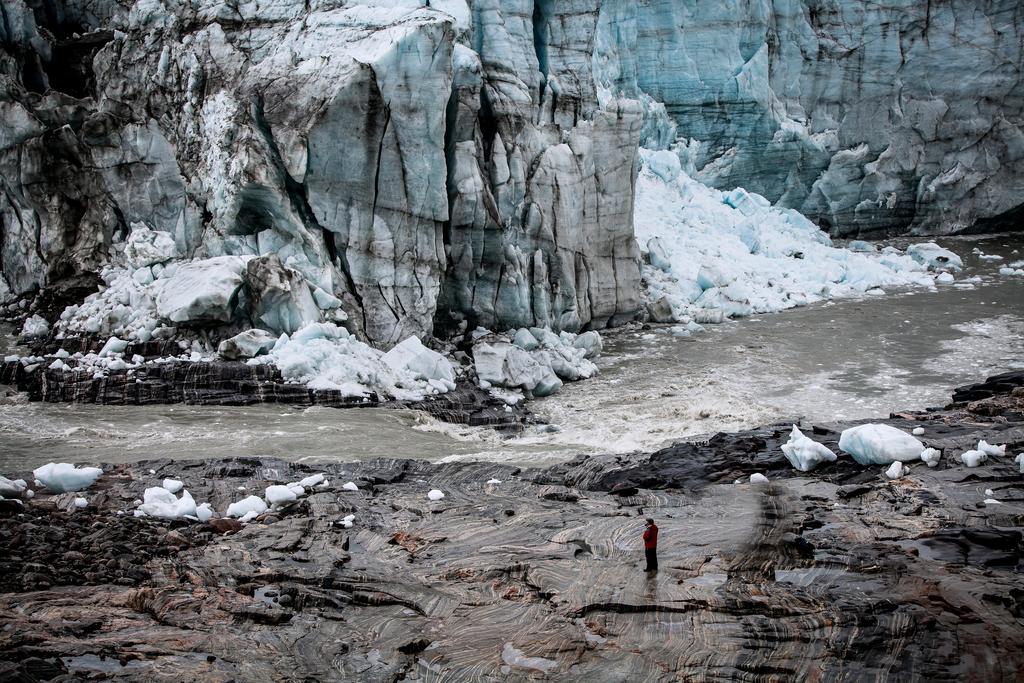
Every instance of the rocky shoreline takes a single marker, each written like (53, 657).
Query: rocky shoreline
(837, 574)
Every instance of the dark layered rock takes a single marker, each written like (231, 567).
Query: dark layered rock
(838, 574)
(230, 383)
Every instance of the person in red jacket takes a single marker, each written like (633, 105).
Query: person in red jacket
(651, 545)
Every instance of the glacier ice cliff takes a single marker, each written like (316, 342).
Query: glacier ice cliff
(408, 170)
(408, 163)
(869, 118)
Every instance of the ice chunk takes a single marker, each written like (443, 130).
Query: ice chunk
(934, 257)
(204, 512)
(989, 492)
(248, 344)
(945, 278)
(249, 516)
(173, 485)
(145, 247)
(494, 482)
(657, 255)
(804, 453)
(758, 478)
(350, 486)
(12, 488)
(917, 431)
(1020, 462)
(992, 501)
(202, 291)
(504, 365)
(81, 503)
(895, 470)
(930, 457)
(590, 342)
(412, 356)
(879, 444)
(159, 502)
(972, 458)
(990, 450)
(61, 477)
(35, 326)
(253, 505)
(277, 495)
(525, 340)
(435, 494)
(311, 480)
(347, 521)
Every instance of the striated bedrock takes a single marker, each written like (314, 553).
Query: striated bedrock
(415, 163)
(869, 118)
(536, 574)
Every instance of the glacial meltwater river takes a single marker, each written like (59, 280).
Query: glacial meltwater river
(845, 359)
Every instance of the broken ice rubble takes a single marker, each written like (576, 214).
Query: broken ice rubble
(535, 360)
(735, 253)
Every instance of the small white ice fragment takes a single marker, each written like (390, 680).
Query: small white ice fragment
(81, 503)
(990, 450)
(173, 485)
(252, 504)
(993, 501)
(930, 457)
(918, 431)
(277, 495)
(435, 494)
(973, 458)
(350, 486)
(494, 481)
(895, 470)
(989, 492)
(311, 480)
(758, 478)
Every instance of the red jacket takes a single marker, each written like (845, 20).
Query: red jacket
(651, 536)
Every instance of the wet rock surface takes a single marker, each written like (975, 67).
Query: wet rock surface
(230, 383)
(837, 574)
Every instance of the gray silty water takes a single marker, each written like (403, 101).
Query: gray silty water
(849, 359)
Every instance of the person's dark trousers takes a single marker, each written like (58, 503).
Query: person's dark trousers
(652, 559)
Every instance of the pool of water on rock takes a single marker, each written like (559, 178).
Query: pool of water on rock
(841, 360)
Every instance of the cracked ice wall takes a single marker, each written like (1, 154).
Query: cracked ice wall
(869, 118)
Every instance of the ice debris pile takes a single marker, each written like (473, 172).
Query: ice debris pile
(982, 452)
(324, 356)
(275, 497)
(150, 292)
(159, 501)
(880, 444)
(1013, 269)
(534, 362)
(712, 255)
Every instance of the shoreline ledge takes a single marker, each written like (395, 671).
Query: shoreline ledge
(839, 573)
